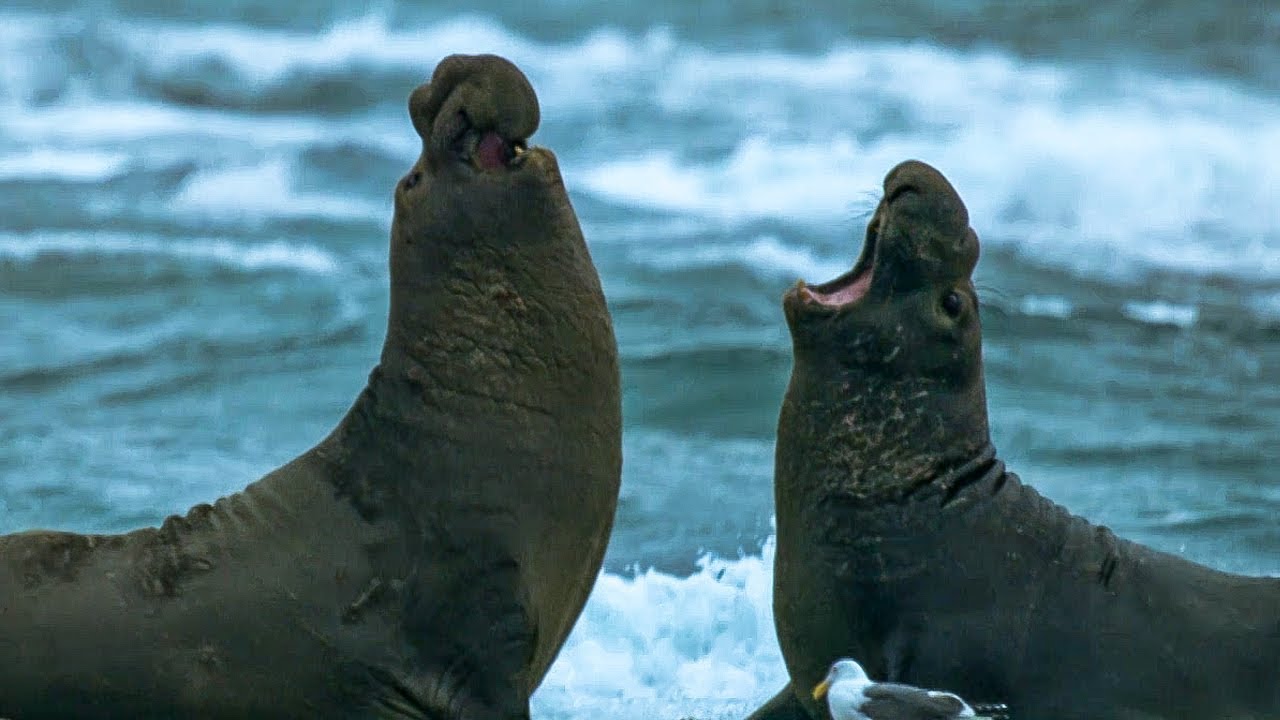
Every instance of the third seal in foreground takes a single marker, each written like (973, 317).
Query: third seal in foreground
(904, 542)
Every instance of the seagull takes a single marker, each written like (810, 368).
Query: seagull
(851, 695)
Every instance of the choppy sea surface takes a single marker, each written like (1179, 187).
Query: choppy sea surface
(195, 199)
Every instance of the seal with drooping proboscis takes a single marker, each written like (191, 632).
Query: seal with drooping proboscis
(428, 558)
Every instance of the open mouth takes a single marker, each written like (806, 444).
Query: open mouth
(488, 150)
(850, 287)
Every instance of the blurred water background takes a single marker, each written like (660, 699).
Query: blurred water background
(195, 199)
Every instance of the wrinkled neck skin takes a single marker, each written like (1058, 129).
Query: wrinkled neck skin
(498, 342)
(871, 438)
(499, 354)
(496, 311)
(474, 326)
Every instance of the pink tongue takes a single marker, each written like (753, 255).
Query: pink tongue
(491, 153)
(854, 291)
(845, 295)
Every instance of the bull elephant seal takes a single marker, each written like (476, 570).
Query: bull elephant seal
(904, 542)
(427, 558)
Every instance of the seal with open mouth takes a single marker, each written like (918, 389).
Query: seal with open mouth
(904, 542)
(428, 558)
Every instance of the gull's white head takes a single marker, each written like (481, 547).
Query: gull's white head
(844, 671)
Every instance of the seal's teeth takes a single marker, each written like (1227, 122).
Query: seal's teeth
(518, 152)
(806, 294)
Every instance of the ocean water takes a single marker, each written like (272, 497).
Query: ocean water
(195, 199)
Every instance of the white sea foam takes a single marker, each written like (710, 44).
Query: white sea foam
(654, 645)
(263, 56)
(1052, 306)
(256, 257)
(1162, 313)
(89, 121)
(1083, 209)
(1100, 173)
(257, 191)
(265, 190)
(765, 254)
(806, 181)
(53, 164)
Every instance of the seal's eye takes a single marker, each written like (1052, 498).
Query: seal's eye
(411, 181)
(952, 304)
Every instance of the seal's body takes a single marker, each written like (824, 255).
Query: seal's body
(903, 541)
(428, 558)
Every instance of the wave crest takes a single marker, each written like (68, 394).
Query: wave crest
(657, 645)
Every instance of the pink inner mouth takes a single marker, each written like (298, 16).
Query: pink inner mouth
(850, 293)
(491, 152)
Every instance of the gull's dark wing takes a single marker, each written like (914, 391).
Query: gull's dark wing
(994, 711)
(890, 701)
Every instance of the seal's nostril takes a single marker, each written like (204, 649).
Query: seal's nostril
(461, 128)
(412, 180)
(900, 191)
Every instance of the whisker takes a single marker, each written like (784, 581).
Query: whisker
(1000, 307)
(862, 207)
(991, 290)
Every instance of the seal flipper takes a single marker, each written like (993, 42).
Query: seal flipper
(392, 697)
(784, 706)
(469, 645)
(470, 626)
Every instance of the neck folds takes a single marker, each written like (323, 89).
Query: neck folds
(875, 441)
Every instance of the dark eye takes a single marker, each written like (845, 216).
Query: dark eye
(952, 303)
(411, 181)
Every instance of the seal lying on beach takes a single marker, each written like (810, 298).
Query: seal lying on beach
(428, 558)
(904, 542)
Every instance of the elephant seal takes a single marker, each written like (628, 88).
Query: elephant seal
(903, 541)
(427, 558)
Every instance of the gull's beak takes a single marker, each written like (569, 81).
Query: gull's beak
(821, 688)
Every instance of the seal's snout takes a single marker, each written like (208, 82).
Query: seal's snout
(919, 230)
(478, 110)
(918, 190)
